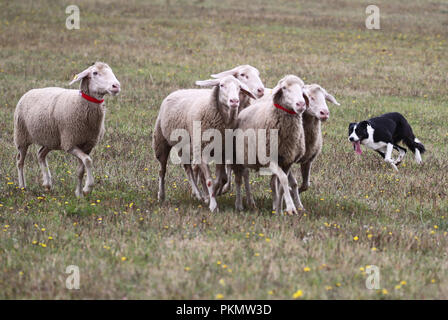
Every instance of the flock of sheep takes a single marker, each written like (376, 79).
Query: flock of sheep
(73, 121)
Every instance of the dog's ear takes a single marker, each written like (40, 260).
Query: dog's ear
(351, 126)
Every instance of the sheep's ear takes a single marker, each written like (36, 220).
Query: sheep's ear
(277, 92)
(231, 72)
(246, 91)
(207, 83)
(330, 98)
(80, 76)
(306, 97)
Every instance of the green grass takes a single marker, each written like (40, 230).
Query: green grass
(179, 250)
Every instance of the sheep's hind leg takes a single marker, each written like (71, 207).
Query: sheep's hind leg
(162, 156)
(20, 163)
(42, 159)
(210, 186)
(192, 180)
(87, 161)
(249, 198)
(226, 188)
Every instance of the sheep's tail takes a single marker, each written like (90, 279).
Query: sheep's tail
(415, 144)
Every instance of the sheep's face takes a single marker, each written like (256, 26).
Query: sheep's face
(101, 79)
(248, 75)
(317, 101)
(317, 106)
(229, 90)
(290, 94)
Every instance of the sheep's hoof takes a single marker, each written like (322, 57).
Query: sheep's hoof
(47, 187)
(251, 203)
(291, 212)
(239, 207)
(214, 207)
(78, 194)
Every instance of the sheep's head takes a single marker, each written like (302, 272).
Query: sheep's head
(229, 90)
(246, 74)
(317, 105)
(99, 79)
(289, 93)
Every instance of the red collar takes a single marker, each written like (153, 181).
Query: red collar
(284, 109)
(91, 99)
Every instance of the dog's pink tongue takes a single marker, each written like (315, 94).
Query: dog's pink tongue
(357, 146)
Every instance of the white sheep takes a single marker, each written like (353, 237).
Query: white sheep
(64, 119)
(216, 109)
(250, 76)
(316, 112)
(282, 111)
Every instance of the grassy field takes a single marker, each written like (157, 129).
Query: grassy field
(129, 246)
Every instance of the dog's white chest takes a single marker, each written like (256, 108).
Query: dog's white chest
(372, 144)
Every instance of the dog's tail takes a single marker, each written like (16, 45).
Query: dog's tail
(416, 144)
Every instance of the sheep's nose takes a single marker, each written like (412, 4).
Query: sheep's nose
(234, 102)
(324, 115)
(116, 86)
(260, 92)
(301, 104)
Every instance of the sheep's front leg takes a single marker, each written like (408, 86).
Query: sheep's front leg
(80, 175)
(295, 191)
(228, 184)
(388, 156)
(42, 159)
(276, 197)
(210, 186)
(238, 180)
(275, 169)
(87, 161)
(305, 168)
(20, 164)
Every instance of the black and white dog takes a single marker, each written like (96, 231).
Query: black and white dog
(383, 134)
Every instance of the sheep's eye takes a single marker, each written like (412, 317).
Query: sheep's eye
(95, 73)
(242, 75)
(312, 98)
(221, 85)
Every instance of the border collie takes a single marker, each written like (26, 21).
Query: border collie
(383, 134)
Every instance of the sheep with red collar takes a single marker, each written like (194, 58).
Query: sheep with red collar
(65, 119)
(282, 112)
(316, 112)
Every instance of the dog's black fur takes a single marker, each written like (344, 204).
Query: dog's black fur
(389, 128)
